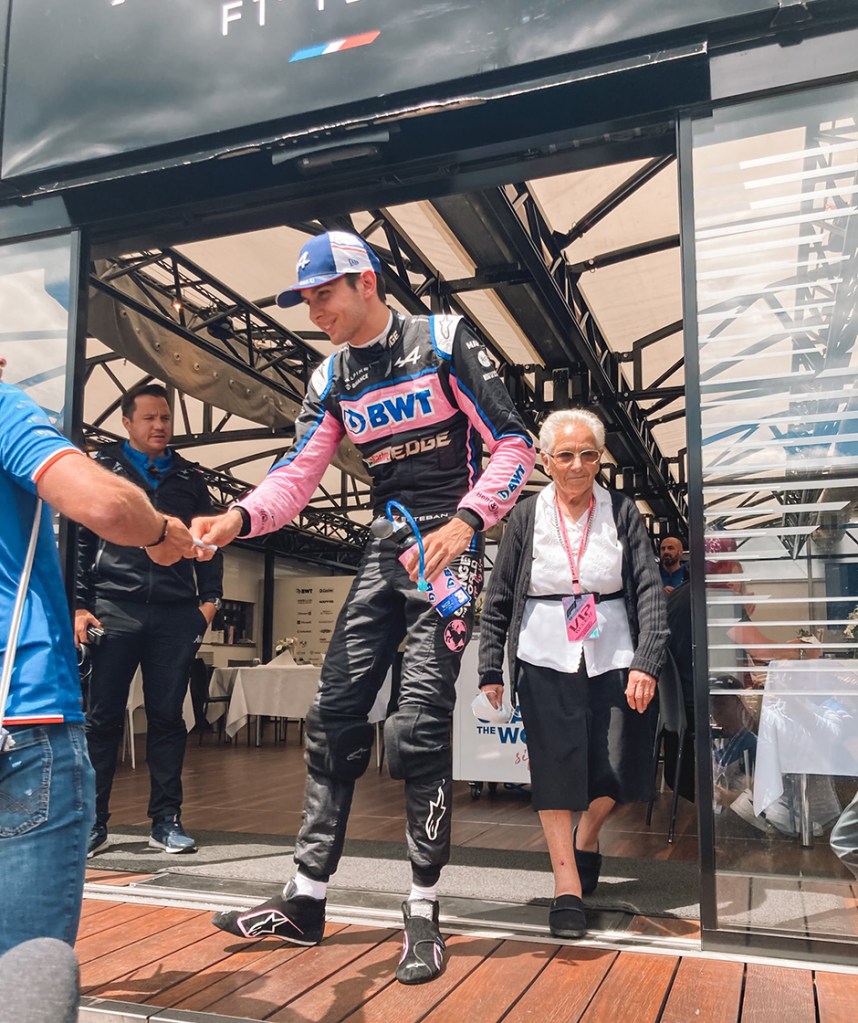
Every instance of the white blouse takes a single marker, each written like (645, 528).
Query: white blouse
(543, 640)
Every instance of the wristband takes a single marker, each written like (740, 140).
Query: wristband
(161, 538)
(470, 519)
(245, 518)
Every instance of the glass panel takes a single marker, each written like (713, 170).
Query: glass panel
(34, 319)
(776, 197)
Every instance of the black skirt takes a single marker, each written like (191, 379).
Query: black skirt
(583, 739)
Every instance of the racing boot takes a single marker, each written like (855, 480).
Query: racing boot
(422, 945)
(296, 919)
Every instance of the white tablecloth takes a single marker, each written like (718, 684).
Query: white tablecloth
(220, 684)
(808, 724)
(281, 692)
(284, 691)
(135, 701)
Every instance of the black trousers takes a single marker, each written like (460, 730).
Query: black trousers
(162, 640)
(384, 606)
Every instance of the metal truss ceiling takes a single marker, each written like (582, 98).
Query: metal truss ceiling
(517, 255)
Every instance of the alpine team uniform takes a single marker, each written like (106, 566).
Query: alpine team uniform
(419, 404)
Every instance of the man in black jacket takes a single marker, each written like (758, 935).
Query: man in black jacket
(153, 618)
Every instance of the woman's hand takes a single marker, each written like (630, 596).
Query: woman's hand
(494, 692)
(640, 690)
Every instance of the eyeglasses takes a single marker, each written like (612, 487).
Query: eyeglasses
(564, 458)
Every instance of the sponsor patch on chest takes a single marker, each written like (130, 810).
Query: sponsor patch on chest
(397, 408)
(417, 446)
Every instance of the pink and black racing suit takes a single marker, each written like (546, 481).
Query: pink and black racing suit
(419, 405)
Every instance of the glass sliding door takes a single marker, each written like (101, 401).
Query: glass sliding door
(774, 261)
(37, 313)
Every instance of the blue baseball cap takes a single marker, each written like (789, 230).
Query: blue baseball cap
(325, 258)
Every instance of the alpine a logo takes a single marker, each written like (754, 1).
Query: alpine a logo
(412, 357)
(303, 261)
(401, 408)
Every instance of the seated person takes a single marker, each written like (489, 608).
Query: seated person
(755, 647)
(736, 748)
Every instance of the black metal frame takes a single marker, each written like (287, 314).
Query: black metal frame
(535, 283)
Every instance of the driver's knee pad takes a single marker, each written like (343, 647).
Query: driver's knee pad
(337, 748)
(417, 743)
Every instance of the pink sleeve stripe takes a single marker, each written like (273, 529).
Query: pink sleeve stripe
(500, 486)
(288, 487)
(511, 461)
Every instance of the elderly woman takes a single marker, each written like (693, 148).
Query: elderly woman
(576, 592)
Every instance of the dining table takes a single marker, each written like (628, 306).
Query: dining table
(278, 690)
(808, 726)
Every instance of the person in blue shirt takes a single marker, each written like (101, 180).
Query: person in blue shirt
(674, 571)
(46, 781)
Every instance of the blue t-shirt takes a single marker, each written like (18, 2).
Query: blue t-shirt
(675, 578)
(45, 680)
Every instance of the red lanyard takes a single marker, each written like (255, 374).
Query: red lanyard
(585, 536)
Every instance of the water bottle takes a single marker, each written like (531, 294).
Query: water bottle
(446, 593)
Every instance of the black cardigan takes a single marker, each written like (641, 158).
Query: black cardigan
(510, 579)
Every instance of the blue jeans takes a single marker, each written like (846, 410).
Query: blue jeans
(47, 809)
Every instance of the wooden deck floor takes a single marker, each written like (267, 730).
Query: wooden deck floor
(171, 958)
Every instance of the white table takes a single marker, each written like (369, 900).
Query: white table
(808, 725)
(279, 692)
(282, 691)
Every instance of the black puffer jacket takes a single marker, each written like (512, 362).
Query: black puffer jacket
(127, 573)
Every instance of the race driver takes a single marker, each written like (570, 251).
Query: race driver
(419, 396)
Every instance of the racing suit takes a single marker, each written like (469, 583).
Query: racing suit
(418, 404)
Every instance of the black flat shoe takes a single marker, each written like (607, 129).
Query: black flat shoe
(566, 917)
(589, 866)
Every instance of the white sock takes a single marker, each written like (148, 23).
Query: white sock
(430, 894)
(307, 886)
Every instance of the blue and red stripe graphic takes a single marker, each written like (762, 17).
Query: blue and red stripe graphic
(349, 43)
